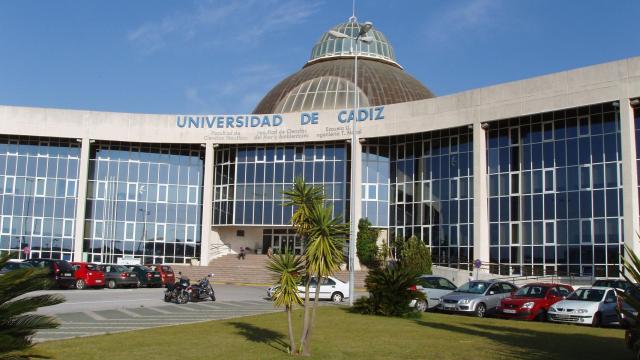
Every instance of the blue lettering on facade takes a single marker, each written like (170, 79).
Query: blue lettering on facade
(231, 121)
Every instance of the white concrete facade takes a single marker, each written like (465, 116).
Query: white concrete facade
(617, 81)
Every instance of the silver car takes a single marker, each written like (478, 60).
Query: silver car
(477, 297)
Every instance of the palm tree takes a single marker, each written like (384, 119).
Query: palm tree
(323, 256)
(287, 270)
(303, 197)
(18, 323)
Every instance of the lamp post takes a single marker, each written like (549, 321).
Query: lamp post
(360, 37)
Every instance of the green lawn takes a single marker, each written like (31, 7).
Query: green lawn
(342, 335)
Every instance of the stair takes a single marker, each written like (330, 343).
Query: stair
(251, 270)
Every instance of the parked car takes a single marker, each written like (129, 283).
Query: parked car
(146, 276)
(166, 273)
(330, 289)
(87, 275)
(116, 276)
(60, 271)
(532, 301)
(477, 297)
(628, 315)
(433, 287)
(14, 265)
(612, 283)
(594, 306)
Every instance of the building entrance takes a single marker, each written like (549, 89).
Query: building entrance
(281, 240)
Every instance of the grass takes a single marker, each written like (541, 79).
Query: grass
(342, 335)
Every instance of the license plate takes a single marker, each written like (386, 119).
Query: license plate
(67, 274)
(133, 275)
(156, 275)
(98, 281)
(508, 311)
(450, 306)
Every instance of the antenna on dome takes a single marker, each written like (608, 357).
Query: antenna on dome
(353, 12)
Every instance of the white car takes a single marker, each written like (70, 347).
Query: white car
(433, 288)
(330, 289)
(594, 306)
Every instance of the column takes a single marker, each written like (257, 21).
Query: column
(629, 175)
(207, 202)
(81, 200)
(480, 199)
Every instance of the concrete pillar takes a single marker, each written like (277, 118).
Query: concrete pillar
(81, 200)
(480, 196)
(629, 175)
(207, 202)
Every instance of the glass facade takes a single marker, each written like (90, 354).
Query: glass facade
(38, 185)
(144, 200)
(375, 184)
(249, 180)
(325, 92)
(432, 192)
(555, 193)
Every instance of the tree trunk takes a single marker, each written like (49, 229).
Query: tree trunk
(306, 343)
(305, 323)
(292, 340)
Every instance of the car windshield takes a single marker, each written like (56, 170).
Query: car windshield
(167, 269)
(594, 295)
(63, 265)
(474, 287)
(534, 291)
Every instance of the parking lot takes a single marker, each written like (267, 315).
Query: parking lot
(94, 312)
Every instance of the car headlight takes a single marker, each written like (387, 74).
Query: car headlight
(464, 301)
(582, 311)
(528, 305)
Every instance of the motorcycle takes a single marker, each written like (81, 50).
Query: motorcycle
(178, 292)
(202, 290)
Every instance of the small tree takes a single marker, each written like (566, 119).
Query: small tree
(366, 245)
(415, 256)
(287, 269)
(390, 292)
(18, 323)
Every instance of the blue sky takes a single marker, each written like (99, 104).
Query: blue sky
(222, 56)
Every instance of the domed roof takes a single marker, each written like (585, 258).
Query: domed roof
(329, 46)
(326, 80)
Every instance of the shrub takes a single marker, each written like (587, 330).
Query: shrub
(366, 245)
(389, 292)
(415, 256)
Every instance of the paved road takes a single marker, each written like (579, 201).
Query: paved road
(95, 312)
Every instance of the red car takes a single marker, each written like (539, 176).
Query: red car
(532, 301)
(166, 273)
(88, 275)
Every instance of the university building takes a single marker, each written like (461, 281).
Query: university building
(537, 176)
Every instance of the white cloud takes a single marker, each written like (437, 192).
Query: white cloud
(216, 21)
(461, 17)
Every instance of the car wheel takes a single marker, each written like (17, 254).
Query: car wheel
(597, 320)
(112, 284)
(542, 315)
(336, 297)
(421, 306)
(481, 310)
(80, 285)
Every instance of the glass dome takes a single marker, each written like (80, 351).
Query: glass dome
(329, 46)
(325, 92)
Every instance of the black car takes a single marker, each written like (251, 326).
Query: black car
(14, 265)
(146, 276)
(116, 276)
(628, 314)
(61, 271)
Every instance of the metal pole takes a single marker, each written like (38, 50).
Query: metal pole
(354, 138)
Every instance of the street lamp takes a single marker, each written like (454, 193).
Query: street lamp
(358, 39)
